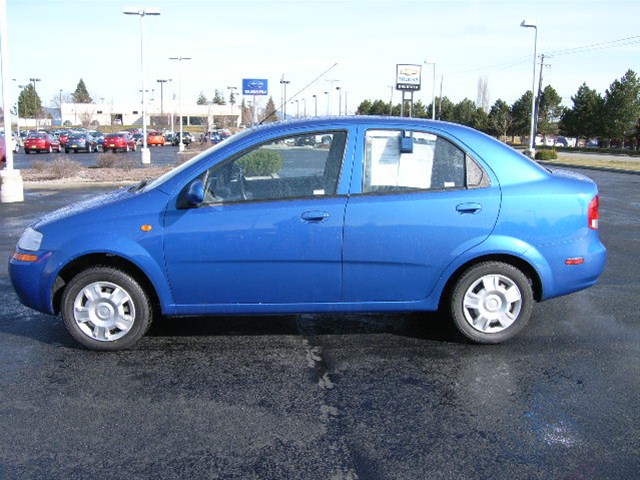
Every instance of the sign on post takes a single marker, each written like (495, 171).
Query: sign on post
(255, 86)
(408, 77)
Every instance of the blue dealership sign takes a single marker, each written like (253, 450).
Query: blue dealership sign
(254, 86)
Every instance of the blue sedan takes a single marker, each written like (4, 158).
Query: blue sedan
(352, 214)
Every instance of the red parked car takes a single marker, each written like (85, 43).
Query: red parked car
(119, 141)
(41, 142)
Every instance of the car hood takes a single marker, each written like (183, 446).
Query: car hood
(84, 206)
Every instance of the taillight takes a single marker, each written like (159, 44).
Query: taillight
(593, 214)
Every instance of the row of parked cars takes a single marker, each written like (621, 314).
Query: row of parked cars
(81, 140)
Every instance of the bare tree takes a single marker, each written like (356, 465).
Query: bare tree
(482, 100)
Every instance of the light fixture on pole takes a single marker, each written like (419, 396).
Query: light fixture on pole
(180, 58)
(532, 145)
(143, 12)
(433, 90)
(35, 97)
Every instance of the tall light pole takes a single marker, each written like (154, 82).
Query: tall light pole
(331, 82)
(11, 186)
(433, 90)
(162, 81)
(284, 84)
(532, 149)
(339, 100)
(391, 88)
(142, 12)
(315, 105)
(35, 97)
(180, 58)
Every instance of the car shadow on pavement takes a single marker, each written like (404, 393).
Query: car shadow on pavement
(423, 325)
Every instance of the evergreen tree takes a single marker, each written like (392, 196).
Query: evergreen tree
(585, 118)
(218, 98)
(521, 112)
(549, 112)
(202, 100)
(81, 95)
(29, 104)
(622, 107)
(270, 114)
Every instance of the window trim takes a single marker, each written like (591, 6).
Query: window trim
(411, 190)
(205, 174)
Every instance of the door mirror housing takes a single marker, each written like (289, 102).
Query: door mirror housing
(195, 193)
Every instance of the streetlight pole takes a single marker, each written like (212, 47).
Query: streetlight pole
(180, 58)
(284, 84)
(35, 97)
(391, 88)
(11, 186)
(532, 149)
(162, 81)
(315, 105)
(142, 12)
(433, 90)
(339, 100)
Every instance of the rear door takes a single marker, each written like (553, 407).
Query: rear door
(418, 202)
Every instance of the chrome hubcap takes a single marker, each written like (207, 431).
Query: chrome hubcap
(492, 303)
(104, 311)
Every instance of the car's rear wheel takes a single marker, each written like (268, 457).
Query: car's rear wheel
(27, 151)
(105, 308)
(491, 302)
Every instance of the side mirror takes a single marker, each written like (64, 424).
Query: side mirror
(195, 193)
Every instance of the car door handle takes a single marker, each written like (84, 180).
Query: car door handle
(314, 216)
(470, 207)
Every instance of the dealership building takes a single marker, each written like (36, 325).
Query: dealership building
(160, 116)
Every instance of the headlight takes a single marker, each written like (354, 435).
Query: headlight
(30, 240)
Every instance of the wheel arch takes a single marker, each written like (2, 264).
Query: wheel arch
(525, 267)
(108, 260)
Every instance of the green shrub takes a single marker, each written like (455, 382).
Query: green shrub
(261, 163)
(546, 155)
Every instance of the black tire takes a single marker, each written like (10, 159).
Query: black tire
(114, 321)
(27, 151)
(66, 150)
(491, 302)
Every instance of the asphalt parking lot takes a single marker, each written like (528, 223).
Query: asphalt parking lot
(340, 397)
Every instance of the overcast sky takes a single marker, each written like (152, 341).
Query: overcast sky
(61, 41)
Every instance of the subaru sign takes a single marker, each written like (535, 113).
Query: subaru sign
(254, 86)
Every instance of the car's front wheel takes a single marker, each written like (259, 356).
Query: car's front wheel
(491, 302)
(105, 308)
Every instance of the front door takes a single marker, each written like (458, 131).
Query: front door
(269, 232)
